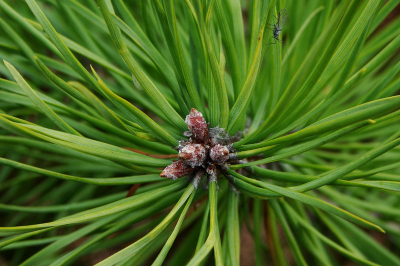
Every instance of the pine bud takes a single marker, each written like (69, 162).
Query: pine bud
(176, 169)
(219, 154)
(193, 154)
(198, 125)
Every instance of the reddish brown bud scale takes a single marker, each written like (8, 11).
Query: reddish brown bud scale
(212, 172)
(176, 169)
(211, 169)
(219, 154)
(193, 154)
(197, 125)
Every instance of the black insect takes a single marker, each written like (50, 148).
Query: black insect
(277, 27)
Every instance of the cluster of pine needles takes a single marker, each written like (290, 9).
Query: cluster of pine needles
(297, 159)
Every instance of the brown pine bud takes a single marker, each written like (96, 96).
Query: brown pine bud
(219, 154)
(193, 154)
(176, 169)
(198, 125)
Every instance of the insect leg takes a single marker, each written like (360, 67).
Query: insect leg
(274, 40)
(283, 46)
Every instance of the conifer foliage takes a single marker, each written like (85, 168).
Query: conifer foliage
(165, 132)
